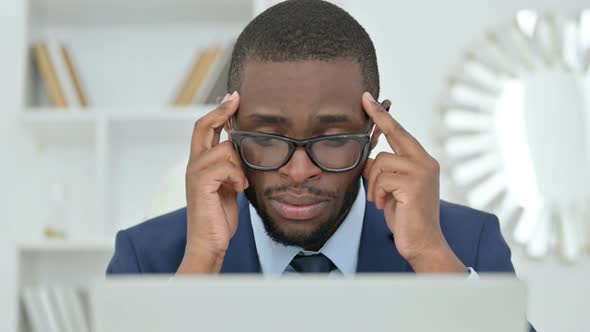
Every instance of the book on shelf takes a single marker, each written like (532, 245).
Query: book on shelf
(70, 305)
(74, 76)
(207, 78)
(32, 310)
(215, 85)
(61, 309)
(40, 310)
(192, 81)
(48, 75)
(54, 308)
(59, 75)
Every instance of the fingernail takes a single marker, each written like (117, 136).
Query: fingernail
(225, 98)
(246, 184)
(371, 98)
(233, 95)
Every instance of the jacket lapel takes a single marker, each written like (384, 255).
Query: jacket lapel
(377, 251)
(241, 255)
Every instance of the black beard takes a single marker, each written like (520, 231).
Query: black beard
(316, 238)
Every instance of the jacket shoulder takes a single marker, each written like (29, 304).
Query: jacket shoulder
(457, 215)
(156, 244)
(475, 237)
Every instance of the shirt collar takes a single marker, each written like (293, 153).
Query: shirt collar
(341, 248)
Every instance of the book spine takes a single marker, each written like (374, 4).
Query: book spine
(61, 71)
(32, 310)
(215, 82)
(183, 96)
(195, 79)
(74, 76)
(79, 316)
(48, 310)
(63, 313)
(49, 75)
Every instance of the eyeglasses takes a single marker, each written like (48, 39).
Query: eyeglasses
(334, 153)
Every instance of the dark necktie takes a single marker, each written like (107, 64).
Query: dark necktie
(317, 263)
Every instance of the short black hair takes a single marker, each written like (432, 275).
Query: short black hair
(299, 30)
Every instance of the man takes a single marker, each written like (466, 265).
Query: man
(294, 190)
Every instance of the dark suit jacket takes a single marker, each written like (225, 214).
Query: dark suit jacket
(157, 245)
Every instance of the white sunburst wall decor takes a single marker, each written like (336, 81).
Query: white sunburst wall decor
(515, 124)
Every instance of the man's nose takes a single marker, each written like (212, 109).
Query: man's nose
(300, 168)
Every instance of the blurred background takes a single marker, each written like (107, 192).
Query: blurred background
(98, 100)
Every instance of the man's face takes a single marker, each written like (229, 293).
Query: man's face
(299, 203)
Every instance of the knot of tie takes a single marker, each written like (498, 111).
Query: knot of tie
(316, 263)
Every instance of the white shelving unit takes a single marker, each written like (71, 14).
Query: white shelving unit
(131, 151)
(45, 262)
(112, 157)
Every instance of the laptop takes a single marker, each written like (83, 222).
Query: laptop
(383, 302)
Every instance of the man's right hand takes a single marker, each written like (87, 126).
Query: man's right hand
(214, 176)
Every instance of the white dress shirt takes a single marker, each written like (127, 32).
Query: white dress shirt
(341, 248)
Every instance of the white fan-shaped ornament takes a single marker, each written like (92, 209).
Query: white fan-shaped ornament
(515, 120)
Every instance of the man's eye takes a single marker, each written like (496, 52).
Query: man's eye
(335, 143)
(264, 141)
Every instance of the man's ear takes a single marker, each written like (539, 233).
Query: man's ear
(229, 126)
(386, 104)
(375, 138)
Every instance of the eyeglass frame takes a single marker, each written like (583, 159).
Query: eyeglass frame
(364, 139)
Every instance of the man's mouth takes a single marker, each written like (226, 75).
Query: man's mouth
(298, 207)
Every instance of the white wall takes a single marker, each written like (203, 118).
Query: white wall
(17, 155)
(416, 43)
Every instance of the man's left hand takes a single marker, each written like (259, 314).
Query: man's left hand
(405, 185)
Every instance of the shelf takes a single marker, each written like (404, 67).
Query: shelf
(124, 158)
(52, 123)
(79, 115)
(54, 114)
(71, 126)
(172, 125)
(45, 246)
(79, 125)
(168, 114)
(85, 12)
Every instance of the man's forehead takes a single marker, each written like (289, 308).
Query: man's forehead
(298, 116)
(289, 88)
(294, 67)
(286, 119)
